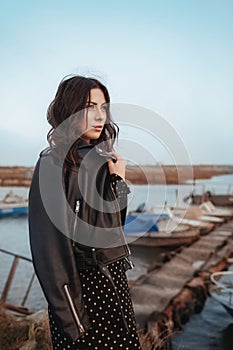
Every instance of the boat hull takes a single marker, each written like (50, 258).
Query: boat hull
(218, 200)
(163, 239)
(5, 212)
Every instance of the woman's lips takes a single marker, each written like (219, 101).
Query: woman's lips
(98, 127)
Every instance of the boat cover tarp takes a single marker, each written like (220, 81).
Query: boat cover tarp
(141, 222)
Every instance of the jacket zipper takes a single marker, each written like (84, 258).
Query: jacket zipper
(118, 213)
(77, 208)
(76, 317)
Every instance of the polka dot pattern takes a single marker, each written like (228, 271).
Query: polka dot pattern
(108, 330)
(120, 187)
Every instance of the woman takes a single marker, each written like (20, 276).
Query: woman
(77, 208)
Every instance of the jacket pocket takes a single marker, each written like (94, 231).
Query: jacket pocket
(73, 309)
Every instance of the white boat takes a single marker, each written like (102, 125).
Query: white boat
(222, 289)
(210, 209)
(194, 212)
(204, 226)
(13, 205)
(176, 216)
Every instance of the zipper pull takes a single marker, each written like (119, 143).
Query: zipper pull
(129, 263)
(77, 206)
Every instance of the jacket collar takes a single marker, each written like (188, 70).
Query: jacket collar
(82, 144)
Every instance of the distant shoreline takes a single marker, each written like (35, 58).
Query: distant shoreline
(14, 176)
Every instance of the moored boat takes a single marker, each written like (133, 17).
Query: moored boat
(216, 199)
(210, 209)
(13, 205)
(157, 230)
(194, 212)
(163, 239)
(204, 226)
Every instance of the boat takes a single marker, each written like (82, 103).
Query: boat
(194, 212)
(222, 289)
(13, 205)
(204, 226)
(157, 230)
(217, 199)
(210, 209)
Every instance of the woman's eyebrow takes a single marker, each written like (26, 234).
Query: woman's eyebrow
(95, 103)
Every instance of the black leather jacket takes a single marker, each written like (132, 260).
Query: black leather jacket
(73, 229)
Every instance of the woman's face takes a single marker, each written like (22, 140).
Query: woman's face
(95, 115)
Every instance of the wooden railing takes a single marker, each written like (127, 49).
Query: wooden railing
(6, 289)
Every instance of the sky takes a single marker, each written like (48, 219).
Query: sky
(173, 58)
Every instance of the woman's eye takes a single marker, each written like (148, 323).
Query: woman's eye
(91, 107)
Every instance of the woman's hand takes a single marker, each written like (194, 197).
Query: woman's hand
(118, 167)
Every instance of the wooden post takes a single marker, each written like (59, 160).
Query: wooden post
(28, 289)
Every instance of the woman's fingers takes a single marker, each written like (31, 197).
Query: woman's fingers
(117, 167)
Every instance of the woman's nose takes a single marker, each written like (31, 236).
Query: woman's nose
(99, 114)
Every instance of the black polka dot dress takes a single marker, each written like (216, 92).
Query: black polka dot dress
(108, 330)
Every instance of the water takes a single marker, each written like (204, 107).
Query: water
(204, 330)
(15, 239)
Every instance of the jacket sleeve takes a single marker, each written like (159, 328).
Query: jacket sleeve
(52, 252)
(121, 190)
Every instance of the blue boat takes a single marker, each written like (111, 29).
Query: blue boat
(140, 220)
(156, 230)
(13, 205)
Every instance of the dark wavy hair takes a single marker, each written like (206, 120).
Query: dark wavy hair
(69, 104)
